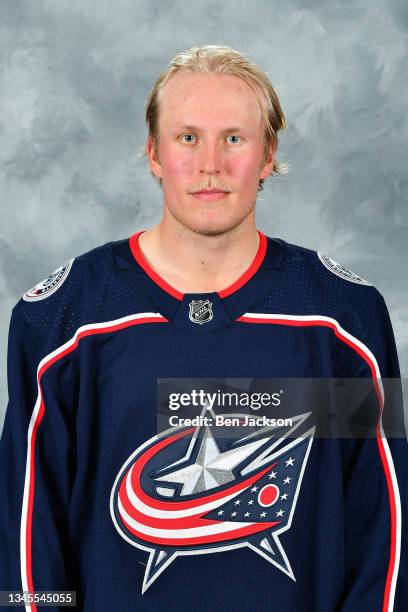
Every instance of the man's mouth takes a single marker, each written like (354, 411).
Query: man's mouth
(212, 190)
(210, 194)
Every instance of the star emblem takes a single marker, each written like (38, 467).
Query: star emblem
(211, 468)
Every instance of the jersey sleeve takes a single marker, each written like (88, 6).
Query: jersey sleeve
(375, 481)
(37, 465)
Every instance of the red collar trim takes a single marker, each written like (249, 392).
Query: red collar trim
(240, 282)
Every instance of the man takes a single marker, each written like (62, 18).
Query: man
(98, 497)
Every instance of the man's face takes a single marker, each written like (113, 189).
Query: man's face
(198, 150)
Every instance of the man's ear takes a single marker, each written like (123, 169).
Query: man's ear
(153, 157)
(267, 165)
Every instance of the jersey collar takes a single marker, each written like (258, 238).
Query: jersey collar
(225, 305)
(240, 282)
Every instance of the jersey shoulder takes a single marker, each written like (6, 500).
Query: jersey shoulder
(84, 289)
(322, 268)
(314, 283)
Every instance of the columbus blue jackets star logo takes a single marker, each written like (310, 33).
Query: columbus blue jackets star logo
(186, 492)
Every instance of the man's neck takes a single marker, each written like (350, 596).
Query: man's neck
(196, 263)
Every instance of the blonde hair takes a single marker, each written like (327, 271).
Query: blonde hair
(225, 60)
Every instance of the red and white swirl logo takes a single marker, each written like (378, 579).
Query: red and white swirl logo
(185, 491)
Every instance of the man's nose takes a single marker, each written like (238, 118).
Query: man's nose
(210, 159)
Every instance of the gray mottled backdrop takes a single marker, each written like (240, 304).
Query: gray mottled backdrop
(74, 80)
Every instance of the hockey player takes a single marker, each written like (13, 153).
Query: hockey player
(96, 498)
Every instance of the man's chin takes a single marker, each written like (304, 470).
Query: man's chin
(209, 223)
(213, 228)
(210, 231)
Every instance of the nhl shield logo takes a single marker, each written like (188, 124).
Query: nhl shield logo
(200, 311)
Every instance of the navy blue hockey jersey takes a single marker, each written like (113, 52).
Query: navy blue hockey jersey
(94, 498)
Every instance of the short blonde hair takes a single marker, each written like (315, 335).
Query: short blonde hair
(225, 60)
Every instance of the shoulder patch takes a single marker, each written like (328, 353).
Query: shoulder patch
(50, 284)
(339, 270)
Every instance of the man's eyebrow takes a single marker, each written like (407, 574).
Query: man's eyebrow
(195, 128)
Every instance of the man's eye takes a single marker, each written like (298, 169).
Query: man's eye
(187, 135)
(233, 136)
